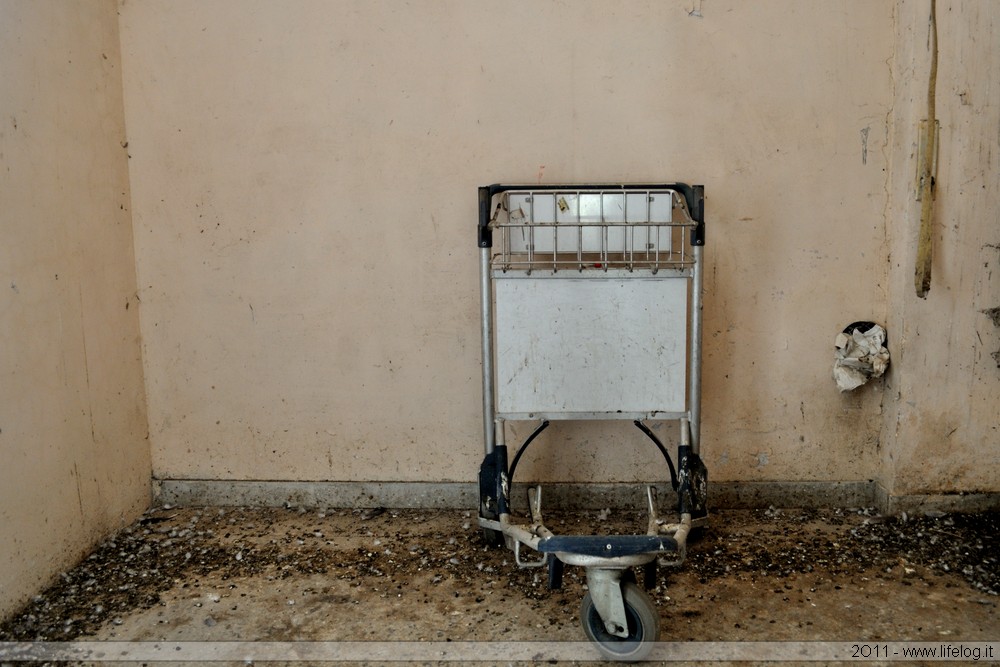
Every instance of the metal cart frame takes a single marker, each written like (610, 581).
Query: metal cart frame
(602, 242)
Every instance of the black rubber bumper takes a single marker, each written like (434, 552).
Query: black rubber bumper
(608, 546)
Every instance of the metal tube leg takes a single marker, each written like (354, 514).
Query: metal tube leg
(694, 381)
(486, 296)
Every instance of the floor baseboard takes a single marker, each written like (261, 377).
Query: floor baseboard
(456, 495)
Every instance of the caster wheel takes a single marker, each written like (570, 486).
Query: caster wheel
(643, 626)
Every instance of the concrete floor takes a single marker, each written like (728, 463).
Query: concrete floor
(402, 576)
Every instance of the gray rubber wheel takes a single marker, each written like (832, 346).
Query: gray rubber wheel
(643, 626)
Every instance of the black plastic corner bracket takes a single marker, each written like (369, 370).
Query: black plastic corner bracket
(493, 485)
(694, 197)
(697, 208)
(692, 494)
(485, 234)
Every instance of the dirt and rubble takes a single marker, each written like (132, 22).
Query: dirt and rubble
(181, 574)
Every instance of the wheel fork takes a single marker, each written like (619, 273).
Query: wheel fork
(605, 587)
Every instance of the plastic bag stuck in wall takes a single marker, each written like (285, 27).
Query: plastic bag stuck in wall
(860, 355)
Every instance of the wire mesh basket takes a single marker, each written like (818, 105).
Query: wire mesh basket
(586, 230)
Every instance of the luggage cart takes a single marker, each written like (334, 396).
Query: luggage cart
(591, 310)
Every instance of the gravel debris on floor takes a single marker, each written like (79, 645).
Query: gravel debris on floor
(852, 541)
(169, 549)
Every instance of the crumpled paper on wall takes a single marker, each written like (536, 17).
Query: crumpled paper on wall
(859, 357)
